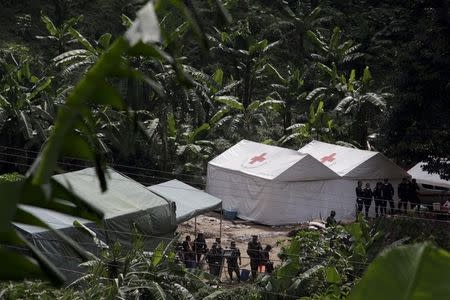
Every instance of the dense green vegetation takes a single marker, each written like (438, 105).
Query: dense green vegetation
(372, 74)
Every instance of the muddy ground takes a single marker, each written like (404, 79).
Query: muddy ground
(239, 231)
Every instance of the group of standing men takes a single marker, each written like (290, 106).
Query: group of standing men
(194, 252)
(383, 193)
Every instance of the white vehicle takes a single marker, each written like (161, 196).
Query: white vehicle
(432, 188)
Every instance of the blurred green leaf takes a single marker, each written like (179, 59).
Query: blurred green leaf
(416, 272)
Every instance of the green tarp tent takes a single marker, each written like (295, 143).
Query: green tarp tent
(190, 202)
(127, 205)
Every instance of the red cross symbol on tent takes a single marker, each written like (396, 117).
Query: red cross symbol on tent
(258, 158)
(328, 158)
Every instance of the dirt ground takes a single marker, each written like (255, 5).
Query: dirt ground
(237, 230)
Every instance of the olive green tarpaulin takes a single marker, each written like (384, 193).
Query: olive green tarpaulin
(127, 206)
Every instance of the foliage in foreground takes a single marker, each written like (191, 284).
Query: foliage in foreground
(328, 262)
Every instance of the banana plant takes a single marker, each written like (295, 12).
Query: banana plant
(25, 106)
(193, 149)
(81, 59)
(289, 89)
(360, 104)
(319, 126)
(334, 50)
(240, 118)
(60, 35)
(249, 58)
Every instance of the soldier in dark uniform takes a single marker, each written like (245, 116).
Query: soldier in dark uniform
(254, 252)
(413, 198)
(403, 188)
(388, 196)
(331, 221)
(378, 198)
(359, 197)
(367, 196)
(214, 259)
(200, 246)
(232, 261)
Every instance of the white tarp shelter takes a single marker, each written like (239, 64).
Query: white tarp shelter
(352, 165)
(189, 201)
(268, 184)
(426, 178)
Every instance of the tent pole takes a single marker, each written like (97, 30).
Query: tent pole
(195, 226)
(221, 218)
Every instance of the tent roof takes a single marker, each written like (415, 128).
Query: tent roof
(54, 219)
(423, 176)
(190, 202)
(271, 162)
(353, 163)
(123, 196)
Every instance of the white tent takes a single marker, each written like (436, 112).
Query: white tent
(426, 178)
(352, 165)
(268, 184)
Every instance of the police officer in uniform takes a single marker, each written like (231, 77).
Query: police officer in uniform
(367, 194)
(413, 198)
(378, 197)
(388, 196)
(254, 252)
(232, 261)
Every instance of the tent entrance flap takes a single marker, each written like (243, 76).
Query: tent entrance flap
(190, 202)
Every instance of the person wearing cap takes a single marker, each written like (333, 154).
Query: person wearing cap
(232, 261)
(254, 249)
(331, 221)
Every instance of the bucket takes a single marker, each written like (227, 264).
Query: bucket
(245, 274)
(229, 214)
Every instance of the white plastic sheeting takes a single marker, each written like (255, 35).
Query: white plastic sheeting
(424, 177)
(275, 186)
